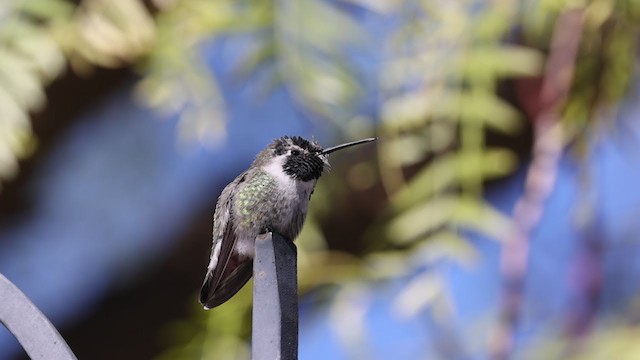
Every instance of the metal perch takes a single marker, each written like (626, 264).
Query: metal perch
(34, 332)
(275, 299)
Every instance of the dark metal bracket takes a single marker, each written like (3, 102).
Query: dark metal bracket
(275, 308)
(275, 299)
(34, 332)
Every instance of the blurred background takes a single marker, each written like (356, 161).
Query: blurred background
(497, 217)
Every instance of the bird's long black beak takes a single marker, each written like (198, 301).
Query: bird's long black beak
(346, 145)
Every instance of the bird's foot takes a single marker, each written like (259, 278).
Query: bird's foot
(266, 230)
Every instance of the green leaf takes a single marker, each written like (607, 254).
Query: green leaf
(422, 219)
(406, 150)
(450, 170)
(19, 80)
(417, 108)
(443, 245)
(306, 23)
(450, 210)
(481, 217)
(500, 61)
(59, 10)
(259, 54)
(418, 294)
(310, 55)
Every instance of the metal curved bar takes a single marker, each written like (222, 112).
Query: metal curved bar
(34, 331)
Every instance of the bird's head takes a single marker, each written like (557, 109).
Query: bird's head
(299, 158)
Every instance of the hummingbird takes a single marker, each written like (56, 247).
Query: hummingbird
(271, 196)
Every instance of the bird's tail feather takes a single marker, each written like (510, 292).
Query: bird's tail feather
(228, 286)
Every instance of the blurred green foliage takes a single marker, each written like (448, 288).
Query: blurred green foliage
(442, 64)
(614, 339)
(30, 57)
(221, 334)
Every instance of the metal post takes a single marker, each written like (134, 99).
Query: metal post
(275, 299)
(36, 334)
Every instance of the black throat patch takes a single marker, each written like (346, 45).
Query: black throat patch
(304, 162)
(304, 167)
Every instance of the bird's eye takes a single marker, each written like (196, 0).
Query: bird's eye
(295, 152)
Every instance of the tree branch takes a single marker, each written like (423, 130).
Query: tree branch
(541, 177)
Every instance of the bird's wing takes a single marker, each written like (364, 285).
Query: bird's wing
(230, 283)
(224, 240)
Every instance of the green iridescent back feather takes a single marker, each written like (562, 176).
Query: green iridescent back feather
(255, 193)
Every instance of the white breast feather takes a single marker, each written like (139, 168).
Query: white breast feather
(294, 191)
